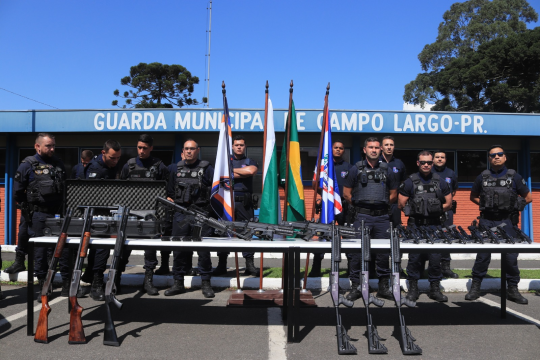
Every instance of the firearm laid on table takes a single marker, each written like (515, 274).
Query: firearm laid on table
(343, 340)
(43, 322)
(309, 229)
(408, 347)
(495, 239)
(374, 344)
(522, 235)
(109, 335)
(499, 229)
(476, 235)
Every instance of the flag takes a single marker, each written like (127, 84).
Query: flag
(220, 198)
(295, 190)
(331, 199)
(270, 211)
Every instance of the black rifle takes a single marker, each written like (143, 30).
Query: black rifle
(309, 229)
(500, 230)
(456, 234)
(375, 346)
(522, 235)
(201, 217)
(109, 335)
(476, 234)
(495, 239)
(464, 234)
(262, 230)
(43, 322)
(408, 347)
(343, 340)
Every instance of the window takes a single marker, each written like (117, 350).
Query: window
(535, 167)
(470, 165)
(2, 163)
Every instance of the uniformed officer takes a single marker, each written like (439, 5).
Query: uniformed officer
(496, 191)
(103, 166)
(244, 170)
(424, 197)
(39, 181)
(448, 175)
(371, 187)
(397, 167)
(144, 167)
(77, 172)
(341, 167)
(190, 182)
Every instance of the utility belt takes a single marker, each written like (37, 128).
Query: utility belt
(426, 220)
(372, 212)
(245, 199)
(498, 216)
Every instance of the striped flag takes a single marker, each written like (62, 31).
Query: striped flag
(331, 199)
(220, 198)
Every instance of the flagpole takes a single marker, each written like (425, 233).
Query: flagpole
(262, 187)
(317, 174)
(231, 182)
(287, 147)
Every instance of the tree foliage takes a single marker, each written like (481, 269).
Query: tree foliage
(465, 28)
(158, 85)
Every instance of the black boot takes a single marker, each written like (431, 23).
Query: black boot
(164, 268)
(18, 265)
(413, 294)
(435, 292)
(87, 277)
(221, 268)
(446, 271)
(148, 285)
(207, 289)
(315, 268)
(65, 287)
(41, 282)
(177, 288)
(514, 295)
(474, 293)
(250, 268)
(97, 292)
(384, 289)
(354, 294)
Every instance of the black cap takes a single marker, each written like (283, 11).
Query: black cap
(495, 146)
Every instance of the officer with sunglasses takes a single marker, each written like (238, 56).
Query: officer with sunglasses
(424, 197)
(496, 192)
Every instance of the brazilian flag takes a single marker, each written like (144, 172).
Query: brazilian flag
(296, 210)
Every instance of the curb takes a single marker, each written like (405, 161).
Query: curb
(450, 285)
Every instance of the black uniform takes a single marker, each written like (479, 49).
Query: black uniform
(498, 202)
(371, 197)
(451, 179)
(77, 172)
(40, 181)
(97, 259)
(397, 167)
(190, 184)
(243, 192)
(423, 208)
(144, 169)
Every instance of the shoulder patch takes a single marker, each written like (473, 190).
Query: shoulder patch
(402, 185)
(395, 170)
(18, 176)
(523, 181)
(448, 180)
(92, 175)
(344, 174)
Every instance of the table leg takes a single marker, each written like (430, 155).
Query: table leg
(30, 291)
(503, 285)
(297, 289)
(285, 285)
(290, 296)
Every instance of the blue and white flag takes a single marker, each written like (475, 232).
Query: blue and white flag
(331, 199)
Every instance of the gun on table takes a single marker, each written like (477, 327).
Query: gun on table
(445, 234)
(109, 334)
(464, 234)
(375, 346)
(404, 233)
(343, 340)
(309, 229)
(522, 235)
(415, 233)
(426, 234)
(500, 229)
(476, 234)
(456, 234)
(42, 329)
(408, 347)
(491, 234)
(262, 230)
(201, 217)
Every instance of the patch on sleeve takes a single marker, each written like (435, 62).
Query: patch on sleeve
(92, 175)
(523, 181)
(402, 185)
(18, 176)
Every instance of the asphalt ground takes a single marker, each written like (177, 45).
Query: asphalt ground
(191, 327)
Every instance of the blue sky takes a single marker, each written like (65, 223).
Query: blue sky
(72, 54)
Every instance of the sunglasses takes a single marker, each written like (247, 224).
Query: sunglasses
(499, 154)
(426, 162)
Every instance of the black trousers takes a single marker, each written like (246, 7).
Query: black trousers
(340, 219)
(23, 237)
(445, 256)
(241, 213)
(183, 260)
(43, 255)
(150, 256)
(416, 264)
(482, 261)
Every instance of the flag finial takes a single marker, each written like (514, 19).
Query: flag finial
(291, 89)
(328, 88)
(223, 86)
(266, 86)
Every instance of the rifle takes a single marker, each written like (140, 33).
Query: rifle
(43, 322)
(408, 347)
(309, 229)
(262, 230)
(500, 229)
(491, 234)
(343, 340)
(522, 235)
(374, 345)
(201, 217)
(475, 234)
(109, 334)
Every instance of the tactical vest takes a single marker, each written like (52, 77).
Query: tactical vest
(189, 184)
(497, 193)
(428, 199)
(370, 187)
(142, 173)
(48, 184)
